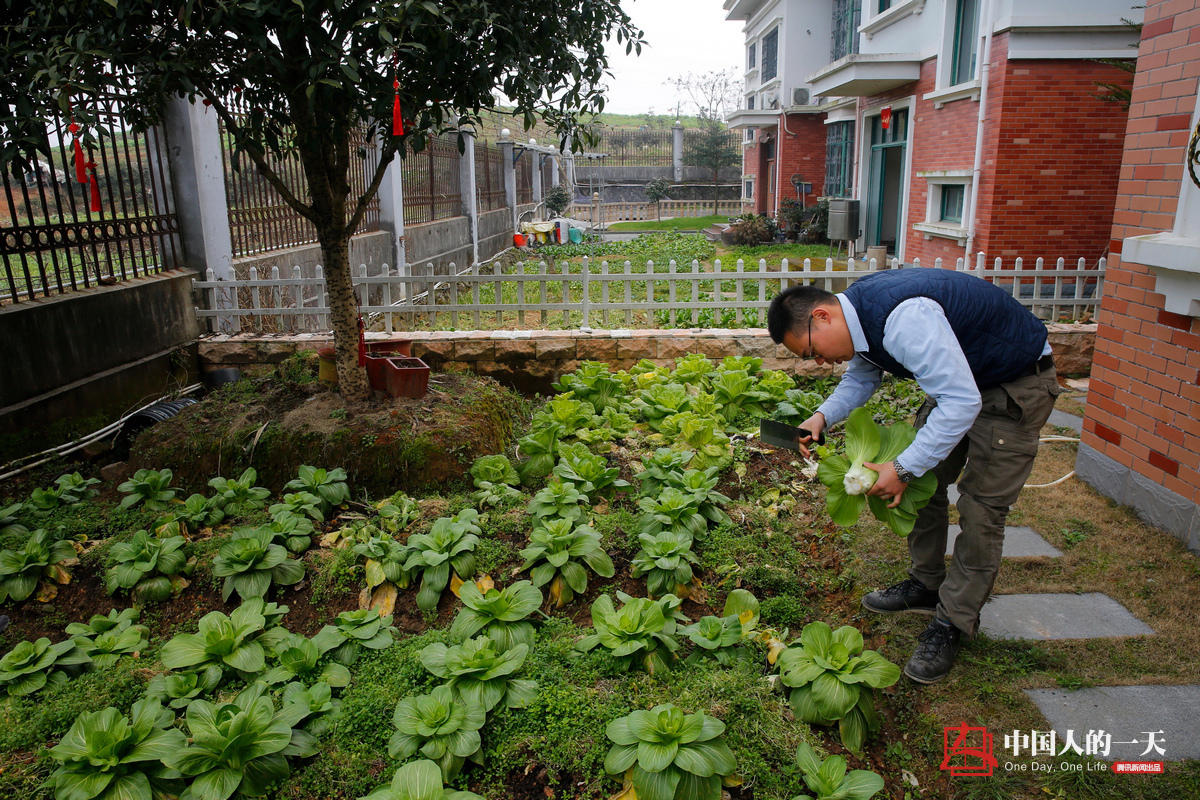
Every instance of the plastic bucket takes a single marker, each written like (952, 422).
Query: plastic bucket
(326, 365)
(575, 235)
(518, 240)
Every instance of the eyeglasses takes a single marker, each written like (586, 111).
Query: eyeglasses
(809, 354)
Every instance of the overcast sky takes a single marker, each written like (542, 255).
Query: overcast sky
(681, 36)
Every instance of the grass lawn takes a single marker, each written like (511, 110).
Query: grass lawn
(670, 223)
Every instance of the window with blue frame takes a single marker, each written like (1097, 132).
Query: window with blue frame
(839, 158)
(846, 14)
(966, 41)
(953, 195)
(770, 55)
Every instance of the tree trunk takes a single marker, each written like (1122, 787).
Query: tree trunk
(343, 312)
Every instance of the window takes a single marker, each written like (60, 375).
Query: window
(751, 56)
(750, 134)
(839, 162)
(845, 28)
(770, 51)
(966, 40)
(748, 189)
(952, 203)
(884, 5)
(749, 102)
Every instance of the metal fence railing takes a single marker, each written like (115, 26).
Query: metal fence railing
(696, 142)
(489, 177)
(524, 174)
(58, 234)
(260, 220)
(635, 147)
(599, 294)
(606, 213)
(432, 189)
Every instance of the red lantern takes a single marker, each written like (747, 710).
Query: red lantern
(885, 116)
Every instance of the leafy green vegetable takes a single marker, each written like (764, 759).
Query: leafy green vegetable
(658, 468)
(450, 543)
(500, 614)
(107, 757)
(385, 559)
(722, 637)
(239, 746)
(443, 726)
(495, 479)
(31, 665)
(68, 490)
(250, 562)
(847, 479)
(150, 487)
(197, 512)
(539, 446)
(239, 496)
(828, 779)
(831, 677)
(554, 554)
(641, 633)
(565, 413)
(797, 406)
(354, 630)
(673, 510)
(329, 485)
(593, 384)
(666, 560)
(304, 504)
(694, 369)
(105, 638)
(299, 658)
(587, 472)
(671, 755)
(660, 401)
(482, 672)
(11, 520)
(221, 643)
(148, 565)
(557, 500)
(419, 780)
(702, 435)
(38, 558)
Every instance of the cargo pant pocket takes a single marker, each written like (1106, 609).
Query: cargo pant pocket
(999, 460)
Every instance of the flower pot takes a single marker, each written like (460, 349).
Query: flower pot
(327, 365)
(406, 377)
(390, 347)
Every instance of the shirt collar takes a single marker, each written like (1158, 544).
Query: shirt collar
(857, 337)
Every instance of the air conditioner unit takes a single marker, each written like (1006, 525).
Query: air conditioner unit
(799, 97)
(774, 101)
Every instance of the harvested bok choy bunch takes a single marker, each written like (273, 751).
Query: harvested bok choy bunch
(848, 480)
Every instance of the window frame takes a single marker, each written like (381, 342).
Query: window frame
(958, 37)
(764, 77)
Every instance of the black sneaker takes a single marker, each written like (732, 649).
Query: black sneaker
(936, 648)
(907, 595)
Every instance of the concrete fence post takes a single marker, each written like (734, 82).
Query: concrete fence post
(470, 200)
(198, 181)
(391, 212)
(536, 168)
(677, 151)
(555, 178)
(510, 174)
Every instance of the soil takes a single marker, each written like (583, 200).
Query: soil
(385, 444)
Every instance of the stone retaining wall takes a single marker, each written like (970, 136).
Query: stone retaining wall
(531, 360)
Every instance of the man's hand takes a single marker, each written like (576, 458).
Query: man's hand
(814, 425)
(888, 484)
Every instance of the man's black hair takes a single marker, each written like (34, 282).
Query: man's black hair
(792, 307)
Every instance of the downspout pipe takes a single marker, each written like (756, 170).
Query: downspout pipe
(984, 68)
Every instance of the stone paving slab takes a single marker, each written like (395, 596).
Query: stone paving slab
(1127, 713)
(1019, 542)
(1062, 419)
(1058, 616)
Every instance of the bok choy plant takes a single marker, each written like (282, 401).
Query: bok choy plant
(848, 480)
(669, 755)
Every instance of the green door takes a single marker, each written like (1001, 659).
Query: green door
(885, 194)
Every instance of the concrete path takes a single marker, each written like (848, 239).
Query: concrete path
(1128, 714)
(1019, 542)
(1058, 616)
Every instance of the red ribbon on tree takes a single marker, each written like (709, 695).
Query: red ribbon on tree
(80, 161)
(94, 186)
(397, 118)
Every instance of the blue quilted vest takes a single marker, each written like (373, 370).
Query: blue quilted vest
(998, 335)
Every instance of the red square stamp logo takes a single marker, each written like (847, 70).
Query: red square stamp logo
(967, 750)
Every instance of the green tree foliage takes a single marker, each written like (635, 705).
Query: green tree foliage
(312, 74)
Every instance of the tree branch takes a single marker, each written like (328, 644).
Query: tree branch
(258, 157)
(386, 155)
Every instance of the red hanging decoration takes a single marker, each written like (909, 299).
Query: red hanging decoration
(397, 121)
(885, 117)
(94, 185)
(362, 342)
(80, 162)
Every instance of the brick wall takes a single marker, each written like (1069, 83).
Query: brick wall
(802, 152)
(1144, 402)
(1051, 156)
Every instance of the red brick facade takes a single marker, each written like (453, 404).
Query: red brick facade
(799, 150)
(1144, 402)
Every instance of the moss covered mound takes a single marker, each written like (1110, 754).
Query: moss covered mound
(276, 424)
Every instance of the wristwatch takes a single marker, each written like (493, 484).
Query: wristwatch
(902, 473)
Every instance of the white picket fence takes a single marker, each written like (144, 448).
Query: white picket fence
(602, 214)
(610, 294)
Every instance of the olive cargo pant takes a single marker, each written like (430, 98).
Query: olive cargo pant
(998, 453)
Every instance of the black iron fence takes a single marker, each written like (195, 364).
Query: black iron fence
(700, 146)
(260, 220)
(635, 147)
(58, 234)
(431, 184)
(489, 177)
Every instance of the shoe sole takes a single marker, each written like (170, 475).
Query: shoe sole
(926, 611)
(923, 681)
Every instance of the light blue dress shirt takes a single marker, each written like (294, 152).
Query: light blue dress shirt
(918, 335)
